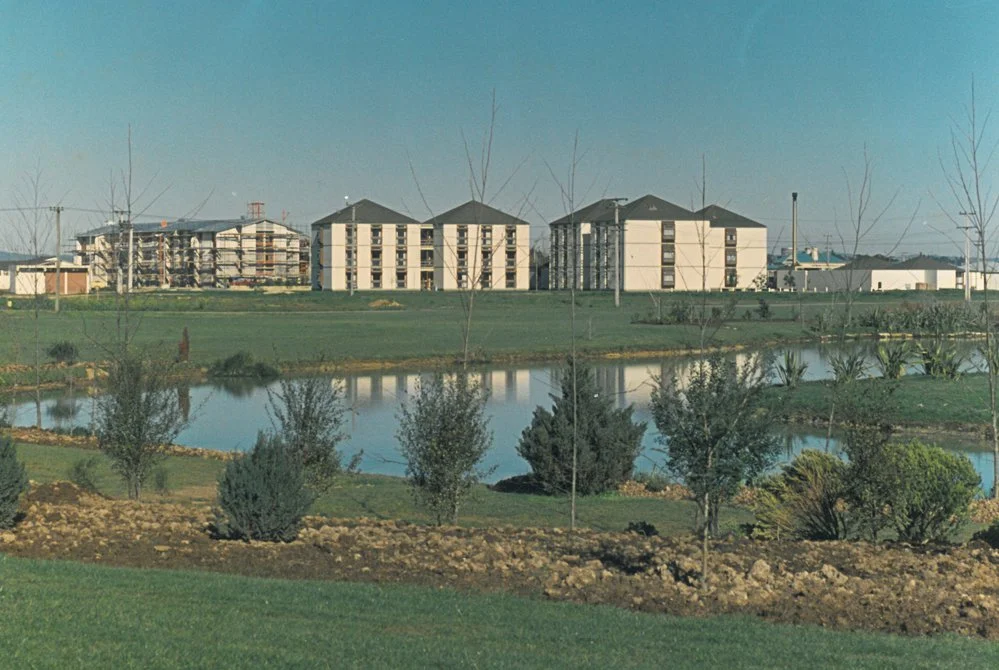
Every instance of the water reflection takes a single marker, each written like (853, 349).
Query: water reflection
(227, 415)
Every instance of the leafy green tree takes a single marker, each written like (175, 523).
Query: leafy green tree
(137, 416)
(263, 493)
(716, 431)
(310, 416)
(868, 412)
(444, 435)
(806, 500)
(607, 440)
(13, 482)
(928, 491)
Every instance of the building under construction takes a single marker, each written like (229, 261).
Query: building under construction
(194, 254)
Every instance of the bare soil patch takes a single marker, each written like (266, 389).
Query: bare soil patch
(893, 588)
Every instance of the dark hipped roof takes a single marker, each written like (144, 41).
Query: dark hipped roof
(651, 208)
(925, 263)
(597, 211)
(475, 212)
(719, 217)
(365, 211)
(869, 263)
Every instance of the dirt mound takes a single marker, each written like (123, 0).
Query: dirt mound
(894, 588)
(382, 303)
(56, 493)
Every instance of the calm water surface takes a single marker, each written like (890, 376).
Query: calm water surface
(228, 417)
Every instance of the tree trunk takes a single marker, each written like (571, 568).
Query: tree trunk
(705, 531)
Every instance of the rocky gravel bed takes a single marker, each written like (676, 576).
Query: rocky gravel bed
(846, 585)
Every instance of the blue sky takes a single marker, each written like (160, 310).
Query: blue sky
(299, 104)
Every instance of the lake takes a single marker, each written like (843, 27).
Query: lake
(228, 416)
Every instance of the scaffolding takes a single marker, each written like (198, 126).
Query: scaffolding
(186, 255)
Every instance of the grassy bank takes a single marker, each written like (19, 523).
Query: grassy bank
(193, 480)
(335, 326)
(60, 614)
(923, 401)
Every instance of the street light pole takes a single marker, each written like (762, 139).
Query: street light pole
(58, 269)
(617, 250)
(967, 255)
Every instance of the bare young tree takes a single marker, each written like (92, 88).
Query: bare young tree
(33, 235)
(140, 412)
(476, 275)
(864, 218)
(968, 170)
(567, 192)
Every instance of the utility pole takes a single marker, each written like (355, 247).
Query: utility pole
(794, 231)
(58, 278)
(967, 255)
(617, 250)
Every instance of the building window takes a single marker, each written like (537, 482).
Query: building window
(462, 279)
(730, 237)
(376, 279)
(462, 236)
(731, 279)
(486, 280)
(427, 258)
(487, 234)
(669, 254)
(351, 281)
(400, 279)
(669, 278)
(730, 258)
(511, 279)
(400, 258)
(427, 280)
(427, 237)
(376, 235)
(511, 236)
(376, 258)
(669, 231)
(511, 259)
(350, 233)
(400, 235)
(463, 258)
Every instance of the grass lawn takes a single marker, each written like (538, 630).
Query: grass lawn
(60, 614)
(379, 497)
(307, 326)
(922, 400)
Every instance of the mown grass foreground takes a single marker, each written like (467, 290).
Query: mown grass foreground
(61, 615)
(310, 326)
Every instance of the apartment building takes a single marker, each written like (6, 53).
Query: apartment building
(367, 246)
(479, 245)
(657, 246)
(196, 254)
